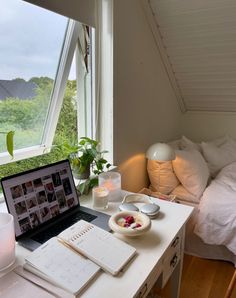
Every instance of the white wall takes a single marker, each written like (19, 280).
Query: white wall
(208, 125)
(145, 107)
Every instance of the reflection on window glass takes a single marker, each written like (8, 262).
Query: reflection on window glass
(30, 47)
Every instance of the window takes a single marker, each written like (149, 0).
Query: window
(36, 51)
(39, 82)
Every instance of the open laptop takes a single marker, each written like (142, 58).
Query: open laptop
(44, 202)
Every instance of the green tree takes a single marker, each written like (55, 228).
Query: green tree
(26, 114)
(19, 79)
(42, 82)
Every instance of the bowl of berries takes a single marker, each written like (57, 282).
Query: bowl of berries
(130, 223)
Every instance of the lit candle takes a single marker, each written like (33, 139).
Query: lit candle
(100, 197)
(112, 181)
(7, 240)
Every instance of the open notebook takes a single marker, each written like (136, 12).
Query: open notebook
(73, 258)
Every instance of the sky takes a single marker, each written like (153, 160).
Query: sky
(30, 40)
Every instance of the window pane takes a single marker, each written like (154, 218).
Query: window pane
(67, 128)
(30, 47)
(66, 131)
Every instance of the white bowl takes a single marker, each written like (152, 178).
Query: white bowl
(143, 219)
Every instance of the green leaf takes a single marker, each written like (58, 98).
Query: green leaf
(93, 152)
(85, 138)
(82, 142)
(81, 188)
(84, 187)
(102, 160)
(93, 182)
(9, 141)
(104, 151)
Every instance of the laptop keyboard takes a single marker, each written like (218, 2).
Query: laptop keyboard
(56, 229)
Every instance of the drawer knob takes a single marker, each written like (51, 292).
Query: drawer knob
(175, 242)
(174, 260)
(143, 291)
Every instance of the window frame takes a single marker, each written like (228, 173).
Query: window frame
(84, 75)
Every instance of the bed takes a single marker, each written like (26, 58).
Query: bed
(204, 176)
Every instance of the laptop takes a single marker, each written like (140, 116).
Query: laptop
(44, 202)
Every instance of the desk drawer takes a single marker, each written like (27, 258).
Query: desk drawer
(149, 283)
(171, 259)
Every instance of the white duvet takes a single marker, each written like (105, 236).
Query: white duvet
(216, 222)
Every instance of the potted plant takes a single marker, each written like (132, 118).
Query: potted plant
(85, 157)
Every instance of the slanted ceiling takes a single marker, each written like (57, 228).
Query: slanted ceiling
(197, 41)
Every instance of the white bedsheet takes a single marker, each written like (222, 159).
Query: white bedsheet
(216, 220)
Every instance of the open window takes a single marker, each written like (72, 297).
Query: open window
(45, 84)
(36, 53)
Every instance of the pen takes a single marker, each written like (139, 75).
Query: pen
(65, 243)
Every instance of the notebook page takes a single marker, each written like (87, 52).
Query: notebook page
(101, 247)
(62, 265)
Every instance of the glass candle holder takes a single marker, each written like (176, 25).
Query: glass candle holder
(112, 181)
(7, 240)
(100, 197)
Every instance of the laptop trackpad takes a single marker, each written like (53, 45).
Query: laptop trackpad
(29, 244)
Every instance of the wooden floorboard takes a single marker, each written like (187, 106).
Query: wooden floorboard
(198, 279)
(222, 277)
(205, 278)
(202, 278)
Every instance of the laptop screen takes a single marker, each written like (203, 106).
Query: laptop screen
(39, 195)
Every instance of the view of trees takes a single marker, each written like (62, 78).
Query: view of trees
(26, 117)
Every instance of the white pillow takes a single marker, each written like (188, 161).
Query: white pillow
(175, 144)
(191, 170)
(184, 195)
(219, 141)
(219, 157)
(162, 176)
(187, 144)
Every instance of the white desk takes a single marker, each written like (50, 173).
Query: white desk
(160, 256)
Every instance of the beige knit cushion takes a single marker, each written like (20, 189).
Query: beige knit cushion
(162, 176)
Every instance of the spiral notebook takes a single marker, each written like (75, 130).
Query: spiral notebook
(73, 258)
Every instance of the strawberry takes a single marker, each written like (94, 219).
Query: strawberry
(129, 219)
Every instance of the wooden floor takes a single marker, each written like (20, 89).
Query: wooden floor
(203, 278)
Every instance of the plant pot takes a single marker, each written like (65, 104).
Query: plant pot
(84, 175)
